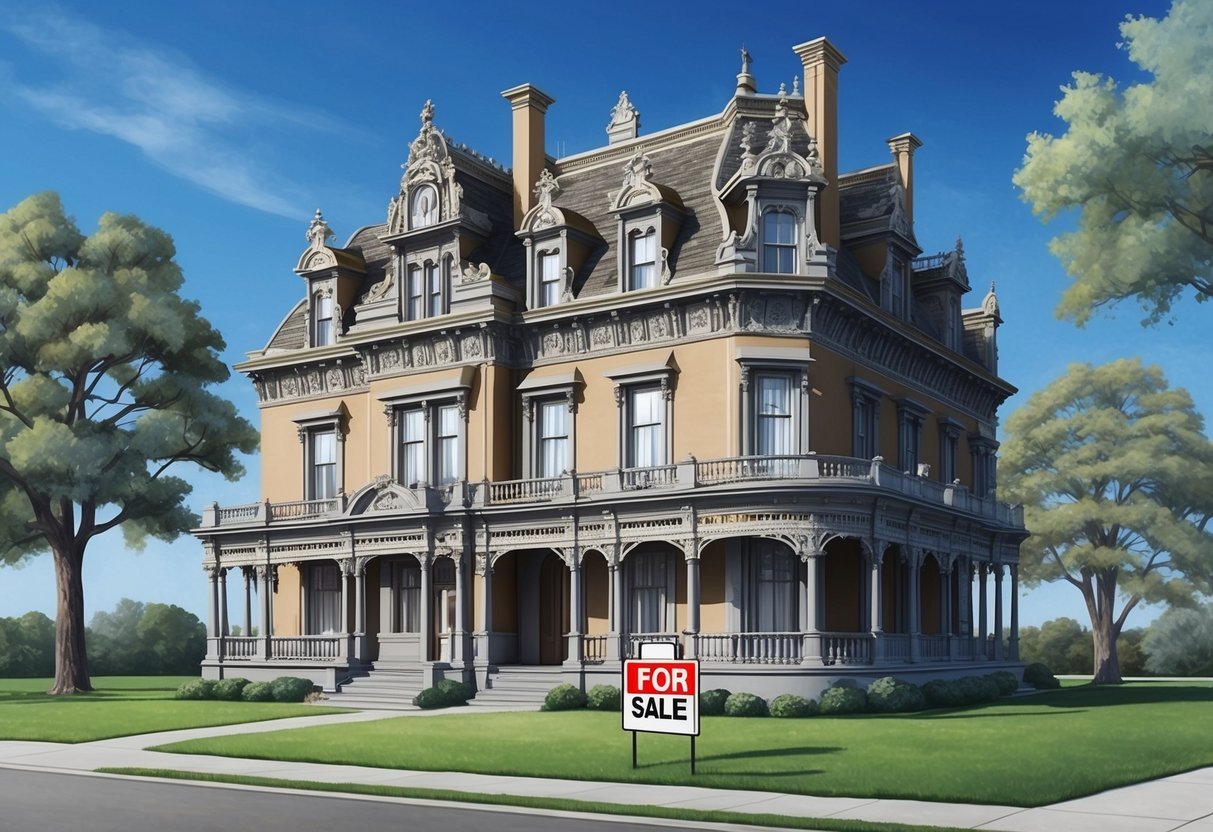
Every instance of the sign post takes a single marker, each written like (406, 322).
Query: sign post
(661, 696)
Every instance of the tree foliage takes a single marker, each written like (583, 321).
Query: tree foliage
(1138, 165)
(104, 371)
(1116, 478)
(1180, 643)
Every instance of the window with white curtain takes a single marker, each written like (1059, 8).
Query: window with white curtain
(423, 208)
(554, 419)
(409, 597)
(642, 261)
(649, 576)
(549, 278)
(323, 329)
(412, 446)
(324, 599)
(322, 462)
(774, 579)
(779, 242)
(433, 281)
(414, 304)
(773, 417)
(646, 429)
(448, 459)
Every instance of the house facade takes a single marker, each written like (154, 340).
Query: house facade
(695, 386)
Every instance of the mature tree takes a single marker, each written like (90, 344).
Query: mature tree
(1138, 165)
(1116, 477)
(113, 641)
(104, 371)
(1061, 643)
(27, 646)
(173, 639)
(1180, 643)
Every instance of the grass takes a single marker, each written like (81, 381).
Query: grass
(549, 803)
(1028, 751)
(119, 707)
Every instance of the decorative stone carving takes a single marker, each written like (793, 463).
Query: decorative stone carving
(472, 274)
(317, 255)
(381, 289)
(625, 120)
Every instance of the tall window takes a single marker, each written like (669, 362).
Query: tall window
(779, 242)
(553, 438)
(322, 455)
(649, 573)
(646, 427)
(433, 280)
(409, 603)
(549, 278)
(865, 424)
(897, 288)
(324, 321)
(424, 208)
(949, 442)
(642, 261)
(909, 429)
(774, 574)
(412, 447)
(773, 414)
(448, 462)
(415, 295)
(324, 599)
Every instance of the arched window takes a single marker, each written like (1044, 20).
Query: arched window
(642, 260)
(779, 242)
(322, 334)
(423, 207)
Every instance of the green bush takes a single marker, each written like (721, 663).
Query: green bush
(258, 692)
(291, 688)
(564, 697)
(888, 695)
(711, 702)
(975, 690)
(1040, 677)
(844, 700)
(230, 689)
(456, 692)
(745, 704)
(790, 705)
(604, 698)
(1006, 681)
(943, 693)
(431, 698)
(196, 689)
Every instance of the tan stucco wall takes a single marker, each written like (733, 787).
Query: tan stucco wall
(287, 601)
(711, 588)
(596, 592)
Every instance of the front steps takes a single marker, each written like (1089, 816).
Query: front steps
(518, 688)
(385, 687)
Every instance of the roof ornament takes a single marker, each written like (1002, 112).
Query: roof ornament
(796, 86)
(638, 170)
(745, 81)
(625, 120)
(546, 188)
(318, 233)
(960, 254)
(745, 60)
(427, 114)
(989, 304)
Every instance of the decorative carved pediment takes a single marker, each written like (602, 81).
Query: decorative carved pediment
(384, 494)
(318, 254)
(778, 159)
(638, 185)
(544, 215)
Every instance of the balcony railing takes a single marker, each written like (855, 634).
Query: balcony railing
(241, 647)
(633, 640)
(750, 648)
(689, 474)
(846, 648)
(594, 649)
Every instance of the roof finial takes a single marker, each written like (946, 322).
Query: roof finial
(795, 86)
(745, 60)
(427, 114)
(745, 81)
(960, 250)
(318, 232)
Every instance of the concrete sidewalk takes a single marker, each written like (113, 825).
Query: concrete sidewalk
(1183, 801)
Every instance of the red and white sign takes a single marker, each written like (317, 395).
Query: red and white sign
(661, 696)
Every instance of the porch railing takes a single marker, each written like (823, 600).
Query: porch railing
(846, 648)
(594, 649)
(934, 648)
(658, 476)
(750, 648)
(895, 646)
(525, 491)
(241, 647)
(747, 468)
(633, 640)
(301, 509)
(306, 647)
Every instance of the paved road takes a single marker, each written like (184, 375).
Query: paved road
(41, 802)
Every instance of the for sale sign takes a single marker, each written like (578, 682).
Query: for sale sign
(661, 696)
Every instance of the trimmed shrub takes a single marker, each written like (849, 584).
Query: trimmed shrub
(564, 697)
(604, 698)
(456, 692)
(1006, 681)
(258, 692)
(889, 695)
(745, 704)
(431, 698)
(711, 702)
(844, 700)
(943, 693)
(977, 689)
(196, 689)
(1040, 677)
(789, 705)
(291, 688)
(230, 689)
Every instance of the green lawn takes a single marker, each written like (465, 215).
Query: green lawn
(1026, 752)
(120, 706)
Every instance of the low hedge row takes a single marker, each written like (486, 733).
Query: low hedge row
(444, 694)
(236, 689)
(886, 695)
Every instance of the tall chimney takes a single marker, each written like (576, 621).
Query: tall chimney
(902, 148)
(822, 60)
(529, 104)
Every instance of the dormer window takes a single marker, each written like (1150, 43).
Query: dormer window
(423, 207)
(426, 290)
(549, 278)
(642, 260)
(322, 329)
(558, 242)
(414, 300)
(779, 241)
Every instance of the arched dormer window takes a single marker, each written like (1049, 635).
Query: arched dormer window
(642, 259)
(550, 278)
(423, 207)
(558, 242)
(779, 241)
(322, 328)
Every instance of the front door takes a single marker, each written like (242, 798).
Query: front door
(553, 610)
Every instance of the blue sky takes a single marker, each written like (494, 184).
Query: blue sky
(228, 123)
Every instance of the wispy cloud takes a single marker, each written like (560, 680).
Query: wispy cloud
(156, 99)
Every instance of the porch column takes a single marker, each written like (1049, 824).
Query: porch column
(876, 596)
(998, 611)
(983, 627)
(690, 648)
(427, 625)
(223, 627)
(345, 569)
(613, 638)
(574, 643)
(247, 571)
(484, 619)
(266, 582)
(812, 633)
(1013, 651)
(213, 651)
(915, 621)
(461, 585)
(360, 651)
(964, 598)
(945, 601)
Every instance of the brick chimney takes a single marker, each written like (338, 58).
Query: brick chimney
(902, 148)
(529, 104)
(822, 60)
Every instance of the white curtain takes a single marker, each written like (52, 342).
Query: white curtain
(448, 444)
(647, 446)
(553, 438)
(412, 436)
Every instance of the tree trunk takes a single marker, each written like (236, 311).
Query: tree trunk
(1107, 663)
(71, 660)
